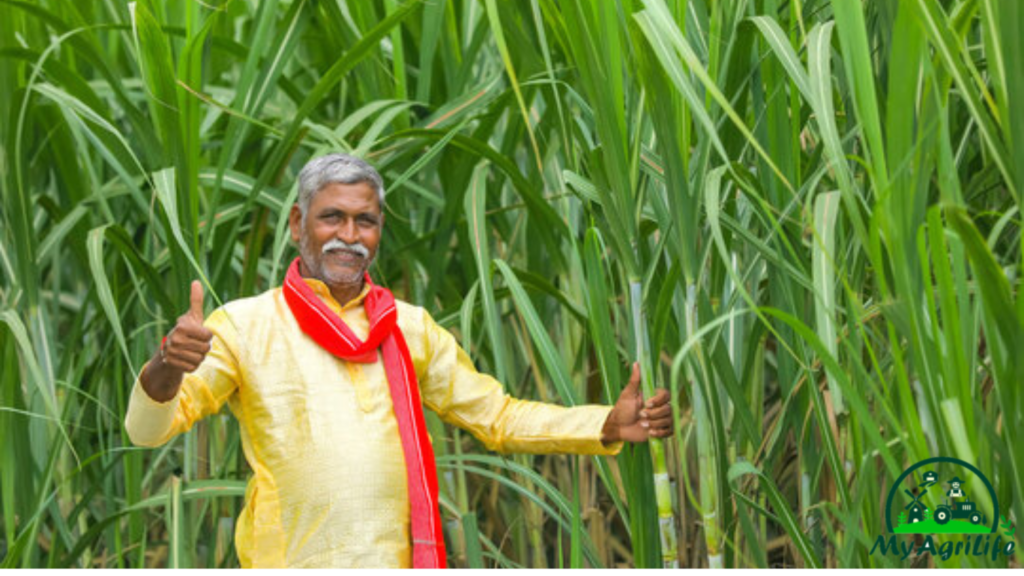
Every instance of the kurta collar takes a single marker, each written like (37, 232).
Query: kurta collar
(324, 293)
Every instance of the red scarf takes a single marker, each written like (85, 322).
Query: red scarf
(329, 331)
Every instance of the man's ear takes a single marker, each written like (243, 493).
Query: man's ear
(295, 223)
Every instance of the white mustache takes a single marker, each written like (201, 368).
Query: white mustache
(336, 244)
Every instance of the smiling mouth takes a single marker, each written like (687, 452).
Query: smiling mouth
(345, 255)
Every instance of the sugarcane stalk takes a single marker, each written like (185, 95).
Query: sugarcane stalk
(709, 496)
(175, 540)
(461, 497)
(662, 486)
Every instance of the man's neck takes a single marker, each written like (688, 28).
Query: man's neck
(342, 293)
(345, 293)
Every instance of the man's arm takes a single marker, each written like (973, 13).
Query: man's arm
(460, 395)
(189, 377)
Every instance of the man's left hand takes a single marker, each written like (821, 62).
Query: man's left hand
(633, 419)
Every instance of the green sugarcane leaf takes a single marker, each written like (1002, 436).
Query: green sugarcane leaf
(106, 297)
(560, 516)
(548, 351)
(940, 33)
(475, 201)
(153, 53)
(782, 509)
(826, 208)
(849, 18)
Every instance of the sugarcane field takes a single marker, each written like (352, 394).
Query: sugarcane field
(511, 283)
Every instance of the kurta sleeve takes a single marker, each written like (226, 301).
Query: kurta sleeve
(476, 402)
(151, 423)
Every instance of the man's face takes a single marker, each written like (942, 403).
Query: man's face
(339, 235)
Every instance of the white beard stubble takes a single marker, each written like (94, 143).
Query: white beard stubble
(314, 262)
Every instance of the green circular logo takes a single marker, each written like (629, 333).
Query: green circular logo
(943, 514)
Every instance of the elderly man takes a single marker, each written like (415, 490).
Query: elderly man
(327, 376)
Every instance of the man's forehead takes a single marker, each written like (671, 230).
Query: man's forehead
(359, 196)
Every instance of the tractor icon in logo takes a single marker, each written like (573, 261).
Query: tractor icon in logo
(965, 510)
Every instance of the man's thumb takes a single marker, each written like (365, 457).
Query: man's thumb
(634, 379)
(196, 307)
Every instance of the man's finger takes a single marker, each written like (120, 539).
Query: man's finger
(660, 398)
(196, 308)
(663, 411)
(194, 331)
(183, 365)
(192, 345)
(634, 379)
(657, 423)
(191, 358)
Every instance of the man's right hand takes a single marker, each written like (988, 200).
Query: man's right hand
(186, 346)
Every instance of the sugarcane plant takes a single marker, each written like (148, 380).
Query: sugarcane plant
(801, 218)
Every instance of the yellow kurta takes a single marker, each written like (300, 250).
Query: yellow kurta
(329, 487)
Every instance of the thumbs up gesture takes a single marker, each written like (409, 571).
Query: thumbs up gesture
(635, 418)
(189, 341)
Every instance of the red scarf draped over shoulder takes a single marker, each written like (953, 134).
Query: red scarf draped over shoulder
(328, 330)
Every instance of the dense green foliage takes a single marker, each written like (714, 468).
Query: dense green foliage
(818, 201)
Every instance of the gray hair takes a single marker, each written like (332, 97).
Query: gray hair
(339, 169)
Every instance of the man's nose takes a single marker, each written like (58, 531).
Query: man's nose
(347, 231)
